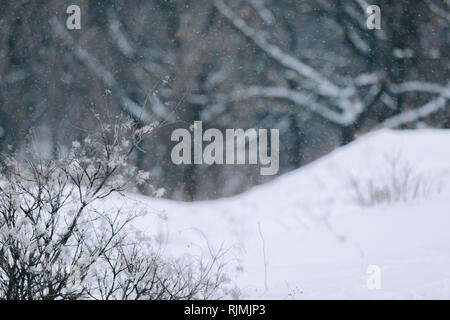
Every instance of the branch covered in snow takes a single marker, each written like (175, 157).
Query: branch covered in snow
(102, 73)
(324, 86)
(119, 36)
(339, 104)
(409, 116)
(265, 14)
(56, 241)
(348, 104)
(305, 100)
(421, 86)
(440, 12)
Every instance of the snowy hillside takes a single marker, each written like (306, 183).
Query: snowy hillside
(309, 235)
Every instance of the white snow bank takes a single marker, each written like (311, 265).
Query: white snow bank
(303, 235)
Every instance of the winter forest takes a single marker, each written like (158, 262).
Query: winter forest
(120, 175)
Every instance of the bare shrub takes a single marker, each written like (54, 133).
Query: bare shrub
(395, 181)
(55, 243)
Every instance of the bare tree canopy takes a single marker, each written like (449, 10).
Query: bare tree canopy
(310, 68)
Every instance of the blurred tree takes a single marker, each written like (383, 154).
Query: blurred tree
(310, 68)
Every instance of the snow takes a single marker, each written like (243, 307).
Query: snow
(304, 236)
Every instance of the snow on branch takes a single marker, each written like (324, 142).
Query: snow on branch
(345, 99)
(363, 4)
(324, 87)
(265, 14)
(442, 13)
(421, 86)
(296, 97)
(101, 72)
(435, 105)
(416, 114)
(364, 79)
(358, 42)
(119, 36)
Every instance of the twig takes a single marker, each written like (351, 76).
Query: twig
(264, 255)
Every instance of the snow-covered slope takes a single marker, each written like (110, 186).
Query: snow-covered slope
(304, 235)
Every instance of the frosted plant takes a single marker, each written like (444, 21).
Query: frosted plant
(56, 244)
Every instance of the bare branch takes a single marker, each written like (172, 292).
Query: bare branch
(416, 114)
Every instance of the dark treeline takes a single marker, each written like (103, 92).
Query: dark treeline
(311, 68)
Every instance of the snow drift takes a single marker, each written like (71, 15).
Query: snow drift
(308, 235)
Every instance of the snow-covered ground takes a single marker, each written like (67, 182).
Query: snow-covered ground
(305, 235)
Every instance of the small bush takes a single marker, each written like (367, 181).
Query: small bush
(396, 181)
(56, 244)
